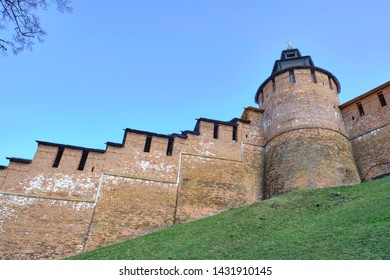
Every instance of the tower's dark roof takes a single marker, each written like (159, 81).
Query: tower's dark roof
(292, 59)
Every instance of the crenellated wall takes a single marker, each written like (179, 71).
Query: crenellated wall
(70, 199)
(369, 131)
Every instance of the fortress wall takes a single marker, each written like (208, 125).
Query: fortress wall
(206, 144)
(128, 207)
(372, 152)
(211, 185)
(370, 133)
(132, 160)
(254, 164)
(374, 116)
(37, 228)
(252, 132)
(3, 174)
(16, 173)
(225, 133)
(51, 209)
(309, 158)
(65, 181)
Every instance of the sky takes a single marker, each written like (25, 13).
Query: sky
(157, 65)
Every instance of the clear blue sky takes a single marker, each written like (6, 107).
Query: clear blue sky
(157, 65)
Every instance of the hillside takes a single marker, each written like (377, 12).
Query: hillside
(334, 223)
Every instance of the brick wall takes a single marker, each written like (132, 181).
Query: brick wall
(41, 228)
(369, 131)
(69, 199)
(52, 209)
(305, 137)
(128, 207)
(310, 158)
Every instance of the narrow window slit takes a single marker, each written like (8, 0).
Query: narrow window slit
(234, 136)
(58, 157)
(273, 85)
(170, 146)
(330, 82)
(382, 99)
(360, 108)
(292, 76)
(313, 76)
(83, 160)
(216, 127)
(148, 143)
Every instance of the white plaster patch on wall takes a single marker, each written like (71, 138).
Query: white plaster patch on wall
(76, 205)
(117, 181)
(167, 168)
(371, 133)
(144, 165)
(79, 206)
(7, 208)
(36, 183)
(205, 148)
(59, 182)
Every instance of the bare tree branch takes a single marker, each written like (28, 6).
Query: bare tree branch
(20, 26)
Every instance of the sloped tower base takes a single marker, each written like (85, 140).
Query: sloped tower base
(313, 158)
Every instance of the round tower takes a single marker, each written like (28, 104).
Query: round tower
(305, 139)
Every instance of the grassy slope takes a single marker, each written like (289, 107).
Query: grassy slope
(333, 223)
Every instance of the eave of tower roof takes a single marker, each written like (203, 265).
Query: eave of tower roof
(260, 89)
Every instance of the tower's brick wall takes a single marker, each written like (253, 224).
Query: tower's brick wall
(310, 158)
(303, 104)
(304, 133)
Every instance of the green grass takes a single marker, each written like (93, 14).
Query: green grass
(334, 223)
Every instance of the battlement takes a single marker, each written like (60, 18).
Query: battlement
(367, 121)
(50, 154)
(148, 181)
(70, 199)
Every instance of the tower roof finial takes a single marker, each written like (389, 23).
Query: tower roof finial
(289, 46)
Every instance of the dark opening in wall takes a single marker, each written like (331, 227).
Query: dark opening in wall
(382, 99)
(58, 157)
(360, 108)
(170, 146)
(292, 76)
(216, 127)
(83, 160)
(234, 136)
(291, 55)
(330, 83)
(273, 85)
(313, 76)
(148, 143)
